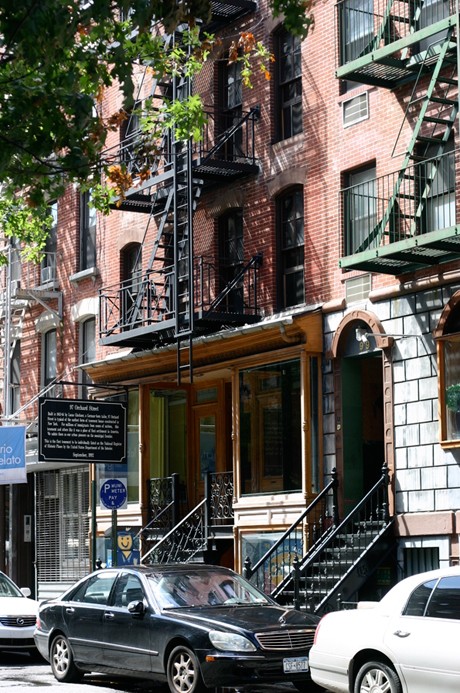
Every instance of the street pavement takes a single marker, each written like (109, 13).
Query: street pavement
(19, 673)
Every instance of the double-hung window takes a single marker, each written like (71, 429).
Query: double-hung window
(87, 232)
(289, 84)
(290, 222)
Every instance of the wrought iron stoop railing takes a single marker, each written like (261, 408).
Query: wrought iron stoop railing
(164, 509)
(321, 561)
(312, 525)
(188, 540)
(336, 568)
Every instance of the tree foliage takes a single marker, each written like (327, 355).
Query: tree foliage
(56, 59)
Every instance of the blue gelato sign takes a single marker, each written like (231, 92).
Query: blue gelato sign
(13, 455)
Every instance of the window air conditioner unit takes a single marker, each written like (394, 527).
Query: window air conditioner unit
(15, 286)
(47, 274)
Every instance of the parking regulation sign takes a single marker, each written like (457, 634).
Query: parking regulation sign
(113, 493)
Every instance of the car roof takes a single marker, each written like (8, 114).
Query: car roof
(403, 588)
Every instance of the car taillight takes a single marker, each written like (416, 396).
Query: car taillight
(317, 629)
(37, 622)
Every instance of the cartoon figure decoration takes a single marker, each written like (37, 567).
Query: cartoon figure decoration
(126, 554)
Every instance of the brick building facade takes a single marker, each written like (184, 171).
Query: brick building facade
(300, 326)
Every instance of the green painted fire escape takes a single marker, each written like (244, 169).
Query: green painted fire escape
(402, 51)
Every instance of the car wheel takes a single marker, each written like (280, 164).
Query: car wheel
(61, 660)
(183, 671)
(377, 677)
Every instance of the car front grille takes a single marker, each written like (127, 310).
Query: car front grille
(301, 639)
(17, 621)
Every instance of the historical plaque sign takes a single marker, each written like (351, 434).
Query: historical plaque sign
(74, 430)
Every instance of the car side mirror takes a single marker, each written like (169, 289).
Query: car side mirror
(136, 608)
(26, 591)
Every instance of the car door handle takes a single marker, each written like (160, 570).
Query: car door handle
(109, 615)
(401, 633)
(69, 610)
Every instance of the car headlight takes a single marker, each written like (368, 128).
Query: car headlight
(230, 641)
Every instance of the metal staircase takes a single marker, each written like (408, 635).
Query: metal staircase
(179, 294)
(406, 220)
(168, 539)
(433, 127)
(318, 563)
(324, 568)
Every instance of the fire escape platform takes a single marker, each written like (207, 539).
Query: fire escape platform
(146, 196)
(383, 67)
(225, 11)
(160, 333)
(408, 255)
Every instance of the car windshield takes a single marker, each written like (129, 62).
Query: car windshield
(8, 588)
(200, 588)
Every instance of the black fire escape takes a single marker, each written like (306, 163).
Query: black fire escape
(178, 295)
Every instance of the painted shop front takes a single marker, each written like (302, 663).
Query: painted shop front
(250, 415)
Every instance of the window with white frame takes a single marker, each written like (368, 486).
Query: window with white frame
(360, 208)
(49, 357)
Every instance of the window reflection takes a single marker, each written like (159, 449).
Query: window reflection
(270, 428)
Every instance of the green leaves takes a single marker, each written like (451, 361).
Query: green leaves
(58, 57)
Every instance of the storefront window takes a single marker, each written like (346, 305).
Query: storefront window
(270, 428)
(168, 433)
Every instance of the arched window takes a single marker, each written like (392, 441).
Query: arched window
(230, 106)
(290, 231)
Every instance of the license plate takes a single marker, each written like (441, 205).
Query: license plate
(295, 664)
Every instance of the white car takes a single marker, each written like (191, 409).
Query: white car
(18, 616)
(409, 642)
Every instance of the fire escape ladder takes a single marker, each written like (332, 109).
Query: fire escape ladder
(11, 323)
(437, 113)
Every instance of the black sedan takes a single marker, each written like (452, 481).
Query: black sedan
(192, 625)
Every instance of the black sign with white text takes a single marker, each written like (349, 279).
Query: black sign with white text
(74, 430)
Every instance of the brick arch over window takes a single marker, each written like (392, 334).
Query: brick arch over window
(336, 352)
(287, 179)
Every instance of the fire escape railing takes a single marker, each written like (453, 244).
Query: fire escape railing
(228, 137)
(366, 27)
(319, 518)
(223, 137)
(208, 279)
(423, 204)
(149, 301)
